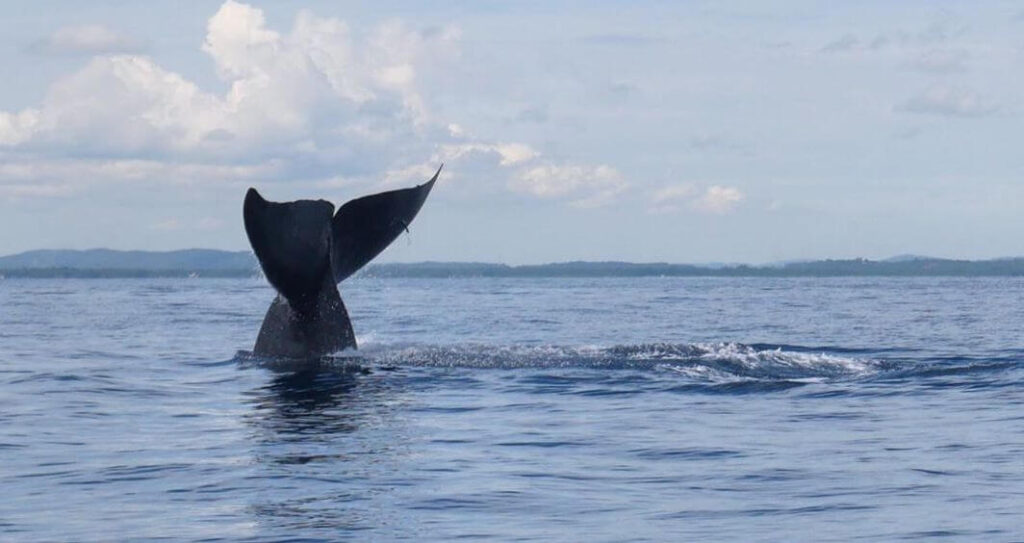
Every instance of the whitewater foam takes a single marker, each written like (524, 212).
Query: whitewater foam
(708, 362)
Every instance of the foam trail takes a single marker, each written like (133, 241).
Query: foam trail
(711, 362)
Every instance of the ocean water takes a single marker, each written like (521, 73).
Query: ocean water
(655, 409)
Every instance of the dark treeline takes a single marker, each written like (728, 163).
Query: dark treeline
(102, 273)
(821, 268)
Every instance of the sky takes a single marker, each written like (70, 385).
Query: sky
(688, 132)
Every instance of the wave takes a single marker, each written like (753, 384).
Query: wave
(704, 362)
(714, 362)
(712, 368)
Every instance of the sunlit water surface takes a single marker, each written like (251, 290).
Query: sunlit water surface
(518, 409)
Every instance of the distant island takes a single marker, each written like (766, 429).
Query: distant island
(100, 263)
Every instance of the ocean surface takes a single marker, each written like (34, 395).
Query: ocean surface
(654, 409)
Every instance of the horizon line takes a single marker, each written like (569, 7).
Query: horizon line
(780, 262)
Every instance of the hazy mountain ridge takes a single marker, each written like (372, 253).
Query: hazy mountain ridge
(216, 263)
(194, 260)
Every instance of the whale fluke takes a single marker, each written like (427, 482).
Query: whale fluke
(291, 240)
(305, 251)
(364, 227)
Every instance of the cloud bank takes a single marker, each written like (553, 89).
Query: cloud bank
(319, 103)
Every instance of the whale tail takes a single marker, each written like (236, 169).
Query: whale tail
(364, 227)
(305, 249)
(291, 240)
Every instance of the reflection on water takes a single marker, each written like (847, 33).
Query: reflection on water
(326, 446)
(312, 402)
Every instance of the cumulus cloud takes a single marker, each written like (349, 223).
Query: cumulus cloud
(949, 101)
(582, 186)
(718, 199)
(509, 154)
(715, 199)
(464, 159)
(16, 128)
(89, 39)
(318, 103)
(315, 95)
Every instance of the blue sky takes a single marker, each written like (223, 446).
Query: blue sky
(644, 131)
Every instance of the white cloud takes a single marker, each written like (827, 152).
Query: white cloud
(16, 191)
(583, 186)
(16, 128)
(718, 199)
(415, 173)
(91, 39)
(509, 154)
(672, 194)
(516, 153)
(125, 105)
(474, 158)
(670, 199)
(315, 94)
(67, 176)
(239, 42)
(715, 199)
(128, 169)
(318, 104)
(949, 101)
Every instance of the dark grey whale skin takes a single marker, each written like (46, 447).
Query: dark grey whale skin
(305, 249)
(310, 330)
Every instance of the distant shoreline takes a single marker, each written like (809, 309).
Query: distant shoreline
(200, 263)
(444, 270)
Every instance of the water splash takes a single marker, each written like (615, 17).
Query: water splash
(757, 366)
(710, 362)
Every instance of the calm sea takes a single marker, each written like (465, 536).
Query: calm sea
(659, 409)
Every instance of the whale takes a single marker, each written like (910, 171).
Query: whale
(306, 249)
